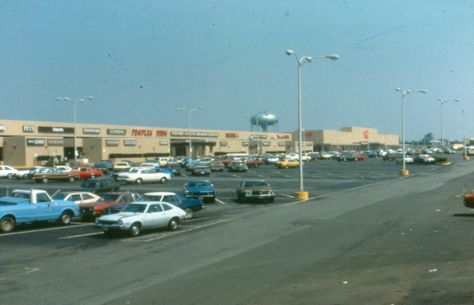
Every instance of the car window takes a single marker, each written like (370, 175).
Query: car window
(42, 198)
(86, 196)
(136, 197)
(75, 197)
(170, 198)
(167, 207)
(154, 208)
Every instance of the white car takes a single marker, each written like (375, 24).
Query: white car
(7, 171)
(78, 197)
(25, 173)
(138, 216)
(140, 175)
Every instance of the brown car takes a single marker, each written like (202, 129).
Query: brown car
(55, 174)
(109, 200)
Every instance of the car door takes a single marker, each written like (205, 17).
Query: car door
(173, 199)
(76, 198)
(154, 216)
(45, 208)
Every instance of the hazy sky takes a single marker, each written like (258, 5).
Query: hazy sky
(143, 59)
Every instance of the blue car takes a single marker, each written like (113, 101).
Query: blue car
(202, 189)
(189, 205)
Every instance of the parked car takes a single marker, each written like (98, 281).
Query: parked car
(100, 185)
(286, 163)
(93, 210)
(175, 168)
(88, 172)
(201, 189)
(254, 162)
(139, 216)
(55, 174)
(26, 206)
(201, 170)
(121, 166)
(216, 166)
(255, 190)
(424, 159)
(237, 166)
(27, 173)
(189, 205)
(408, 159)
(78, 197)
(347, 156)
(106, 166)
(140, 175)
(7, 171)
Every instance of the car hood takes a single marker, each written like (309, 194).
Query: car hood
(199, 189)
(118, 216)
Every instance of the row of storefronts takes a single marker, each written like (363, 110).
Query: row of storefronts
(26, 143)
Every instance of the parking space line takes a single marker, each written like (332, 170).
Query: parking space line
(44, 230)
(220, 201)
(81, 235)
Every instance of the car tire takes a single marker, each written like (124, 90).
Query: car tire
(7, 224)
(65, 218)
(163, 180)
(173, 225)
(135, 229)
(189, 213)
(44, 180)
(71, 179)
(10, 176)
(139, 181)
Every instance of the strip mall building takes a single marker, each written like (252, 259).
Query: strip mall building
(27, 143)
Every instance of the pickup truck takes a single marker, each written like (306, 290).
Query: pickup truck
(26, 206)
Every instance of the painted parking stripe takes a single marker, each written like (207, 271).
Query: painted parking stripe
(45, 230)
(220, 201)
(82, 235)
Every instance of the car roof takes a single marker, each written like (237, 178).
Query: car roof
(159, 193)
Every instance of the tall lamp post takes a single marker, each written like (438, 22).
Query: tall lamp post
(443, 101)
(190, 109)
(301, 194)
(404, 171)
(74, 113)
(465, 157)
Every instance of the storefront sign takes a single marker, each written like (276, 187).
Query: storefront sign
(266, 143)
(55, 142)
(258, 136)
(35, 142)
(232, 135)
(89, 130)
(142, 132)
(49, 129)
(130, 142)
(116, 131)
(28, 128)
(112, 142)
(194, 134)
(283, 136)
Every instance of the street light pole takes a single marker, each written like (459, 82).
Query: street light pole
(74, 114)
(443, 101)
(404, 171)
(190, 109)
(301, 61)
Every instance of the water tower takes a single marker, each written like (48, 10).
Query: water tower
(263, 120)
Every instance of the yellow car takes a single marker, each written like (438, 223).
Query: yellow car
(287, 163)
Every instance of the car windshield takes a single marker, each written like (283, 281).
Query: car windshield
(152, 197)
(110, 197)
(198, 184)
(60, 196)
(134, 208)
(255, 183)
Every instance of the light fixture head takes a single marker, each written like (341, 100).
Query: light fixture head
(332, 56)
(289, 52)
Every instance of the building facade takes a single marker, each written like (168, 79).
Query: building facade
(29, 143)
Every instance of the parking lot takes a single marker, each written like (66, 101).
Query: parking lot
(321, 177)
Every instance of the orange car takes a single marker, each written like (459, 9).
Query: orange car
(88, 172)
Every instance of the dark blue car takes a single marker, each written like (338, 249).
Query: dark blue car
(202, 189)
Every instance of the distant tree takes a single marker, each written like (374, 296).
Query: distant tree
(428, 138)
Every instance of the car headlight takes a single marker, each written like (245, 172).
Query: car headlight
(120, 222)
(248, 192)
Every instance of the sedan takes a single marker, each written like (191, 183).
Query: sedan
(189, 205)
(7, 171)
(138, 216)
(140, 175)
(201, 189)
(78, 197)
(255, 190)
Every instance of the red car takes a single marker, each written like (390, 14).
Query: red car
(94, 210)
(88, 172)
